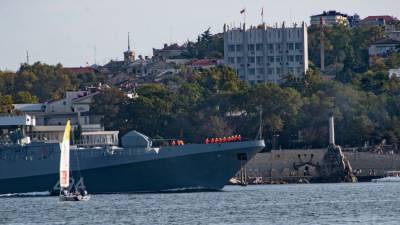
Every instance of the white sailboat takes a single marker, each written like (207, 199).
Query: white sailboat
(65, 194)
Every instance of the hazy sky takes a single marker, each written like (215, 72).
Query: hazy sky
(68, 31)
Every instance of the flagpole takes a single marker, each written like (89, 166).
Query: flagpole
(262, 15)
(244, 16)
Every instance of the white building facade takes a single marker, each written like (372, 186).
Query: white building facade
(394, 73)
(263, 54)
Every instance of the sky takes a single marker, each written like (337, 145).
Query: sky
(81, 32)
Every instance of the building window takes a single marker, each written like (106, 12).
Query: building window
(251, 71)
(270, 59)
(298, 46)
(279, 59)
(260, 71)
(299, 58)
(231, 48)
(239, 60)
(250, 47)
(270, 71)
(231, 60)
(290, 46)
(250, 59)
(299, 70)
(259, 47)
(270, 47)
(239, 48)
(259, 59)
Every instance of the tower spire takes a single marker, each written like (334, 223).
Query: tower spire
(129, 43)
(27, 57)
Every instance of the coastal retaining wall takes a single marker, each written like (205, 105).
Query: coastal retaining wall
(293, 165)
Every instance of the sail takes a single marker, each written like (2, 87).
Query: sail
(64, 159)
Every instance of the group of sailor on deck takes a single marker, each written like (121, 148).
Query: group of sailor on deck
(233, 138)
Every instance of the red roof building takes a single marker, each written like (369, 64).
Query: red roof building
(379, 20)
(203, 63)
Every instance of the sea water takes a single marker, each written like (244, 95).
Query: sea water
(359, 203)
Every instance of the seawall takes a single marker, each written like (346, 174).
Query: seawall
(303, 164)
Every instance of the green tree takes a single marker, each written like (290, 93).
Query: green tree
(109, 103)
(25, 97)
(6, 104)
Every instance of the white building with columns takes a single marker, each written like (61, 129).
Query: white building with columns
(265, 54)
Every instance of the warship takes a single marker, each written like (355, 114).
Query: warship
(133, 166)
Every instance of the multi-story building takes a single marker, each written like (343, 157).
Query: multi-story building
(264, 54)
(392, 33)
(394, 73)
(383, 47)
(169, 51)
(379, 20)
(330, 18)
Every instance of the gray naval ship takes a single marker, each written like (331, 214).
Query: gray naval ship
(134, 166)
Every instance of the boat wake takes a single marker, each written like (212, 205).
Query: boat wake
(25, 195)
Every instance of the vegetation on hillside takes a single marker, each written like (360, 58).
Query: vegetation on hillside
(214, 102)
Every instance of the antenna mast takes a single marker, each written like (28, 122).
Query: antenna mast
(27, 57)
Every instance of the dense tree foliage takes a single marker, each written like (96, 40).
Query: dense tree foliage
(206, 46)
(42, 82)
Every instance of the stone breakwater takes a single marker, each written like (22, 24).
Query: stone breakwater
(307, 165)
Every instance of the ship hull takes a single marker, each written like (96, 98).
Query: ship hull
(197, 167)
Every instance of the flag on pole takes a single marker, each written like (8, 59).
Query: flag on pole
(321, 21)
(262, 11)
(243, 11)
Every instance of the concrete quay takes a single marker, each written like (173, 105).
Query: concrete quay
(302, 165)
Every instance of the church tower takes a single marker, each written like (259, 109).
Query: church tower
(129, 56)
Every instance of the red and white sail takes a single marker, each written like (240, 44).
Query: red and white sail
(64, 159)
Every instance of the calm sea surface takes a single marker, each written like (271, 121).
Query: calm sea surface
(362, 203)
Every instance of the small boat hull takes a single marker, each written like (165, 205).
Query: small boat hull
(74, 198)
(386, 179)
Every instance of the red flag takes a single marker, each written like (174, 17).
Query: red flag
(242, 11)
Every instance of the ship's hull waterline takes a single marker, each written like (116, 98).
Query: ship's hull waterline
(189, 167)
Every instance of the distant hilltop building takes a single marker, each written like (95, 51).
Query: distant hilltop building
(392, 33)
(264, 54)
(169, 51)
(383, 47)
(330, 18)
(129, 56)
(119, 71)
(394, 73)
(379, 20)
(79, 70)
